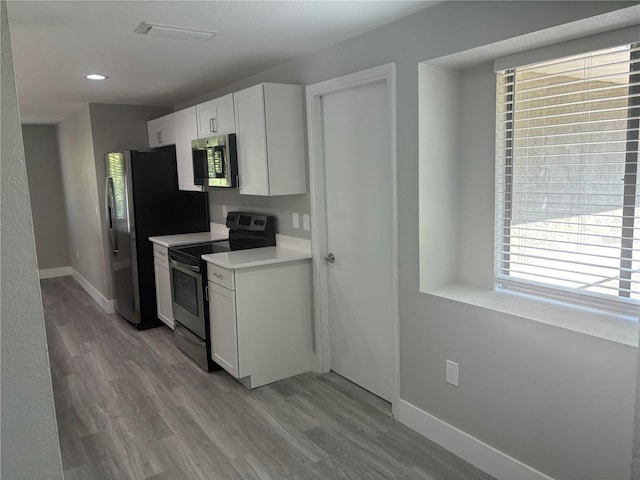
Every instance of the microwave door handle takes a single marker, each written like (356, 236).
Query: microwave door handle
(219, 161)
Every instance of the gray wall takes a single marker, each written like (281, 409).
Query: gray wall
(282, 207)
(42, 156)
(544, 395)
(86, 252)
(29, 446)
(84, 138)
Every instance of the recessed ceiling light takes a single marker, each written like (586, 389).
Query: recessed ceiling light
(168, 31)
(96, 76)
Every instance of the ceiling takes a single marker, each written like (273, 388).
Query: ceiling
(55, 43)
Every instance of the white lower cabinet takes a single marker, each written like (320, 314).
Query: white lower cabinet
(261, 331)
(163, 285)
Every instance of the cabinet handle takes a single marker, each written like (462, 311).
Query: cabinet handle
(206, 292)
(218, 276)
(182, 265)
(215, 124)
(159, 137)
(211, 128)
(164, 254)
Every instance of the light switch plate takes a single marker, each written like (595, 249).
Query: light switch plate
(296, 220)
(306, 221)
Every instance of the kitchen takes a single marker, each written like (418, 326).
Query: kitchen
(190, 292)
(353, 56)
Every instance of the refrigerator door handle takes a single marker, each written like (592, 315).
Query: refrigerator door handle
(110, 204)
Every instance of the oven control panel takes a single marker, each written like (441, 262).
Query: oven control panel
(251, 222)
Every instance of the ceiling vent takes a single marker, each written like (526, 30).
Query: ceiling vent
(174, 32)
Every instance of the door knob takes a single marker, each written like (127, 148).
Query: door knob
(330, 258)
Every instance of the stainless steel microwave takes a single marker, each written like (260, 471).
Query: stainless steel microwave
(215, 163)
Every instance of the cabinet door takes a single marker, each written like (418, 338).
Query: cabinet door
(161, 131)
(225, 116)
(216, 117)
(163, 293)
(222, 319)
(153, 129)
(206, 113)
(251, 141)
(186, 129)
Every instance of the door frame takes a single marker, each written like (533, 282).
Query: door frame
(314, 93)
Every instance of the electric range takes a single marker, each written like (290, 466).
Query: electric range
(188, 273)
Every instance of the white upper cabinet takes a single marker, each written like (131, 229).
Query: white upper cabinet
(270, 139)
(186, 129)
(161, 131)
(216, 117)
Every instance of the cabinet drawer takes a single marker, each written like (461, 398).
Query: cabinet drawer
(221, 276)
(161, 254)
(191, 345)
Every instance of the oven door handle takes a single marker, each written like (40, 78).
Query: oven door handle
(182, 265)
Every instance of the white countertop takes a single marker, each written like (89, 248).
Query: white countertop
(186, 238)
(256, 257)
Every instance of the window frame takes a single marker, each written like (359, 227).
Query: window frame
(622, 303)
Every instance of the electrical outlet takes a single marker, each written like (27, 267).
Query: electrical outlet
(306, 221)
(452, 373)
(296, 220)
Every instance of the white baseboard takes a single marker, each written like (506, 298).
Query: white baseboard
(485, 457)
(109, 306)
(54, 272)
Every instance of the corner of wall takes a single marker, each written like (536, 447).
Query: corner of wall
(438, 166)
(30, 444)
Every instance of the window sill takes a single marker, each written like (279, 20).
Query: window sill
(613, 327)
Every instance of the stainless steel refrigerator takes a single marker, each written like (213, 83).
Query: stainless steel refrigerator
(143, 200)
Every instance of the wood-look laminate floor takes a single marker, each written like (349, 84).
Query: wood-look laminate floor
(130, 405)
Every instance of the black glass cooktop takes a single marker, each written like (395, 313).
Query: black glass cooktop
(246, 230)
(200, 249)
(192, 253)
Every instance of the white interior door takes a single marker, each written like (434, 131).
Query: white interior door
(360, 221)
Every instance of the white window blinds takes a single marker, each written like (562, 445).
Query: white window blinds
(568, 199)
